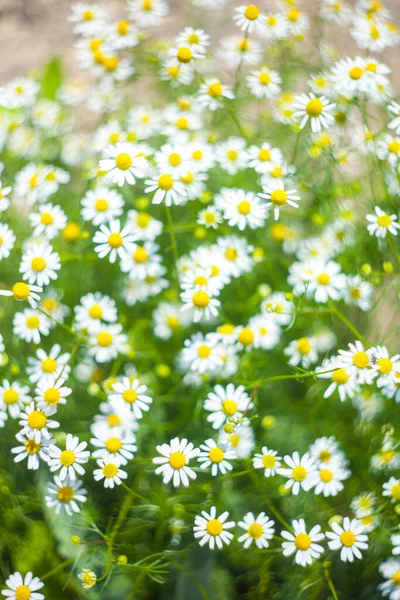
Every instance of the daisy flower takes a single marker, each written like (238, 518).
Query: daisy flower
(381, 223)
(110, 471)
(278, 197)
(329, 479)
(48, 363)
(326, 281)
(302, 351)
(241, 440)
(232, 155)
(168, 189)
(32, 450)
(248, 17)
(69, 461)
(144, 226)
(133, 394)
(268, 460)
(122, 164)
(391, 489)
(201, 301)
(210, 217)
(22, 291)
(359, 292)
(212, 530)
(107, 342)
(357, 360)
(390, 570)
(383, 365)
(50, 391)
(304, 544)
(30, 325)
(93, 309)
(213, 455)
(201, 354)
(13, 397)
(258, 529)
(147, 13)
(318, 110)
(262, 158)
(112, 241)
(225, 403)
(196, 39)
(213, 92)
(300, 472)
(88, 577)
(64, 494)
(39, 264)
(20, 587)
(341, 380)
(36, 423)
(48, 221)
(174, 461)
(348, 538)
(264, 83)
(242, 209)
(101, 205)
(118, 442)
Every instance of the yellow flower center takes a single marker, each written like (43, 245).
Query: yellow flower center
(374, 33)
(115, 240)
(182, 123)
(95, 311)
(71, 232)
(203, 351)
(255, 531)
(234, 440)
(111, 64)
(323, 279)
(123, 161)
(38, 264)
(177, 460)
(87, 15)
(232, 155)
(304, 346)
(32, 322)
(244, 207)
(214, 527)
(385, 365)
(49, 304)
(356, 73)
(229, 407)
(264, 78)
(231, 254)
(172, 322)
(340, 376)
(188, 178)
(184, 55)
(67, 458)
(110, 470)
(147, 4)
(396, 578)
(251, 13)
(10, 396)
(201, 299)
(361, 360)
(394, 147)
(347, 538)
(193, 38)
(197, 155)
(140, 255)
(246, 337)
(37, 419)
(268, 461)
(244, 45)
(65, 494)
(293, 15)
(101, 205)
(384, 221)
(279, 197)
(326, 475)
(387, 456)
(314, 107)
(143, 220)
(215, 89)
(22, 592)
(113, 445)
(174, 159)
(395, 491)
(130, 396)
(46, 219)
(32, 447)
(52, 396)
(325, 456)
(21, 291)
(123, 27)
(299, 473)
(302, 541)
(216, 455)
(104, 339)
(113, 420)
(165, 182)
(264, 154)
(201, 280)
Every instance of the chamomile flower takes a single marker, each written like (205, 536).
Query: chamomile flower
(201, 302)
(383, 365)
(329, 479)
(268, 460)
(236, 255)
(48, 221)
(313, 108)
(109, 470)
(349, 538)
(51, 391)
(144, 226)
(241, 440)
(381, 223)
(359, 292)
(357, 361)
(19, 587)
(32, 450)
(326, 281)
(94, 309)
(167, 189)
(325, 450)
(22, 291)
(300, 472)
(36, 423)
(13, 397)
(117, 442)
(391, 489)
(390, 570)
(248, 17)
(30, 325)
(70, 460)
(212, 530)
(212, 455)
(122, 164)
(262, 158)
(48, 363)
(232, 155)
(278, 196)
(341, 379)
(131, 393)
(225, 403)
(242, 209)
(39, 264)
(101, 205)
(210, 217)
(264, 83)
(304, 544)
(89, 18)
(174, 461)
(258, 529)
(213, 93)
(65, 494)
(147, 13)
(113, 241)
(107, 342)
(303, 351)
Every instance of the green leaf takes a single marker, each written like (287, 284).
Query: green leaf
(52, 79)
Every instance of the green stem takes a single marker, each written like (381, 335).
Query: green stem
(393, 249)
(349, 324)
(56, 569)
(330, 583)
(283, 377)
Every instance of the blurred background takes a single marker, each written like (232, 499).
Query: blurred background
(31, 31)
